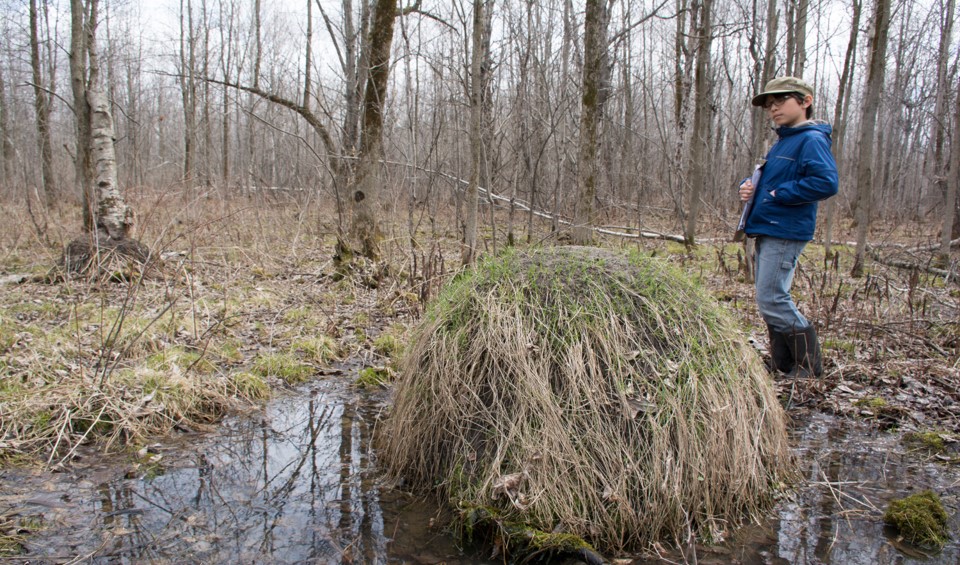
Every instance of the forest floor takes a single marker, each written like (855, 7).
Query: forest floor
(246, 298)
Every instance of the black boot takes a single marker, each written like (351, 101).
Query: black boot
(781, 359)
(805, 348)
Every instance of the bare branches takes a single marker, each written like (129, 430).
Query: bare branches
(300, 109)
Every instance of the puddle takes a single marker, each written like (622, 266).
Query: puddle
(297, 484)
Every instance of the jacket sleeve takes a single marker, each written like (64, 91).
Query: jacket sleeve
(817, 177)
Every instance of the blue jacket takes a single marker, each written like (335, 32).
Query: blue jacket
(798, 172)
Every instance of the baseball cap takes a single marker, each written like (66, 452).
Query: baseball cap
(783, 85)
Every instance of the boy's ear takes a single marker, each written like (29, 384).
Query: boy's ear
(807, 101)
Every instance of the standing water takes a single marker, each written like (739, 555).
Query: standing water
(299, 485)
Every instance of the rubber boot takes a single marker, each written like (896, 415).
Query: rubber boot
(805, 348)
(781, 358)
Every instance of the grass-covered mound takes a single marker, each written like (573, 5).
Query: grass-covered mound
(577, 390)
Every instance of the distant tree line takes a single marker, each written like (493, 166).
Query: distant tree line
(593, 112)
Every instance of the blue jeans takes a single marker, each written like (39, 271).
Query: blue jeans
(776, 261)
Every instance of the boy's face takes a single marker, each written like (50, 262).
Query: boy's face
(787, 109)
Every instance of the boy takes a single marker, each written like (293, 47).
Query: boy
(798, 171)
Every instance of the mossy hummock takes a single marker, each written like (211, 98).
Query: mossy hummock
(588, 392)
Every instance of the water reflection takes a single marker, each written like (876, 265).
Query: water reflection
(298, 485)
(852, 473)
(295, 486)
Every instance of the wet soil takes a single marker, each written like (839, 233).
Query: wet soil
(297, 483)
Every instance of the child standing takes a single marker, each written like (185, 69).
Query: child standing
(798, 171)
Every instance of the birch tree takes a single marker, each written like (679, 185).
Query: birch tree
(105, 213)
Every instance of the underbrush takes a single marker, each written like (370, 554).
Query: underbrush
(245, 279)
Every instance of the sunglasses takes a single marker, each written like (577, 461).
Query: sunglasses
(778, 99)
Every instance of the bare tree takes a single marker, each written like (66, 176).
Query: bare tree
(593, 96)
(42, 106)
(6, 142)
(188, 91)
(840, 118)
(696, 162)
(940, 169)
(479, 74)
(797, 36)
(365, 235)
(877, 47)
(950, 208)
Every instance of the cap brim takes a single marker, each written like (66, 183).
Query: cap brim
(759, 98)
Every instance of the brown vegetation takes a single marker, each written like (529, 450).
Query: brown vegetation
(246, 281)
(577, 390)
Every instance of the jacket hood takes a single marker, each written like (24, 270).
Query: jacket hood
(816, 125)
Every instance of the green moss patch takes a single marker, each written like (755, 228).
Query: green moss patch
(920, 518)
(930, 440)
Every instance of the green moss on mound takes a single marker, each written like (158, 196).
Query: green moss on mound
(585, 391)
(920, 518)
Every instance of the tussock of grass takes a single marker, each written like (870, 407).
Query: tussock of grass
(579, 390)
(390, 344)
(920, 518)
(320, 349)
(374, 377)
(248, 385)
(283, 366)
(128, 406)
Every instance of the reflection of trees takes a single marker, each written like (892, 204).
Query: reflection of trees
(346, 463)
(835, 517)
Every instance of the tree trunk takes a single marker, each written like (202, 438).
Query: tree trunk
(949, 210)
(591, 111)
(477, 101)
(78, 84)
(697, 164)
(188, 91)
(799, 30)
(308, 57)
(6, 142)
(877, 48)
(114, 217)
(365, 234)
(226, 67)
(945, 178)
(42, 110)
(840, 120)
(109, 217)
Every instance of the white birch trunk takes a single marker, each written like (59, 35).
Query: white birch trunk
(114, 217)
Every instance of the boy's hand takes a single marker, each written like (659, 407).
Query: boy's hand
(746, 190)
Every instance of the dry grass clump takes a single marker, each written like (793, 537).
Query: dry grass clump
(129, 406)
(577, 390)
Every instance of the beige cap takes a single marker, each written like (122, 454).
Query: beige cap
(783, 85)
